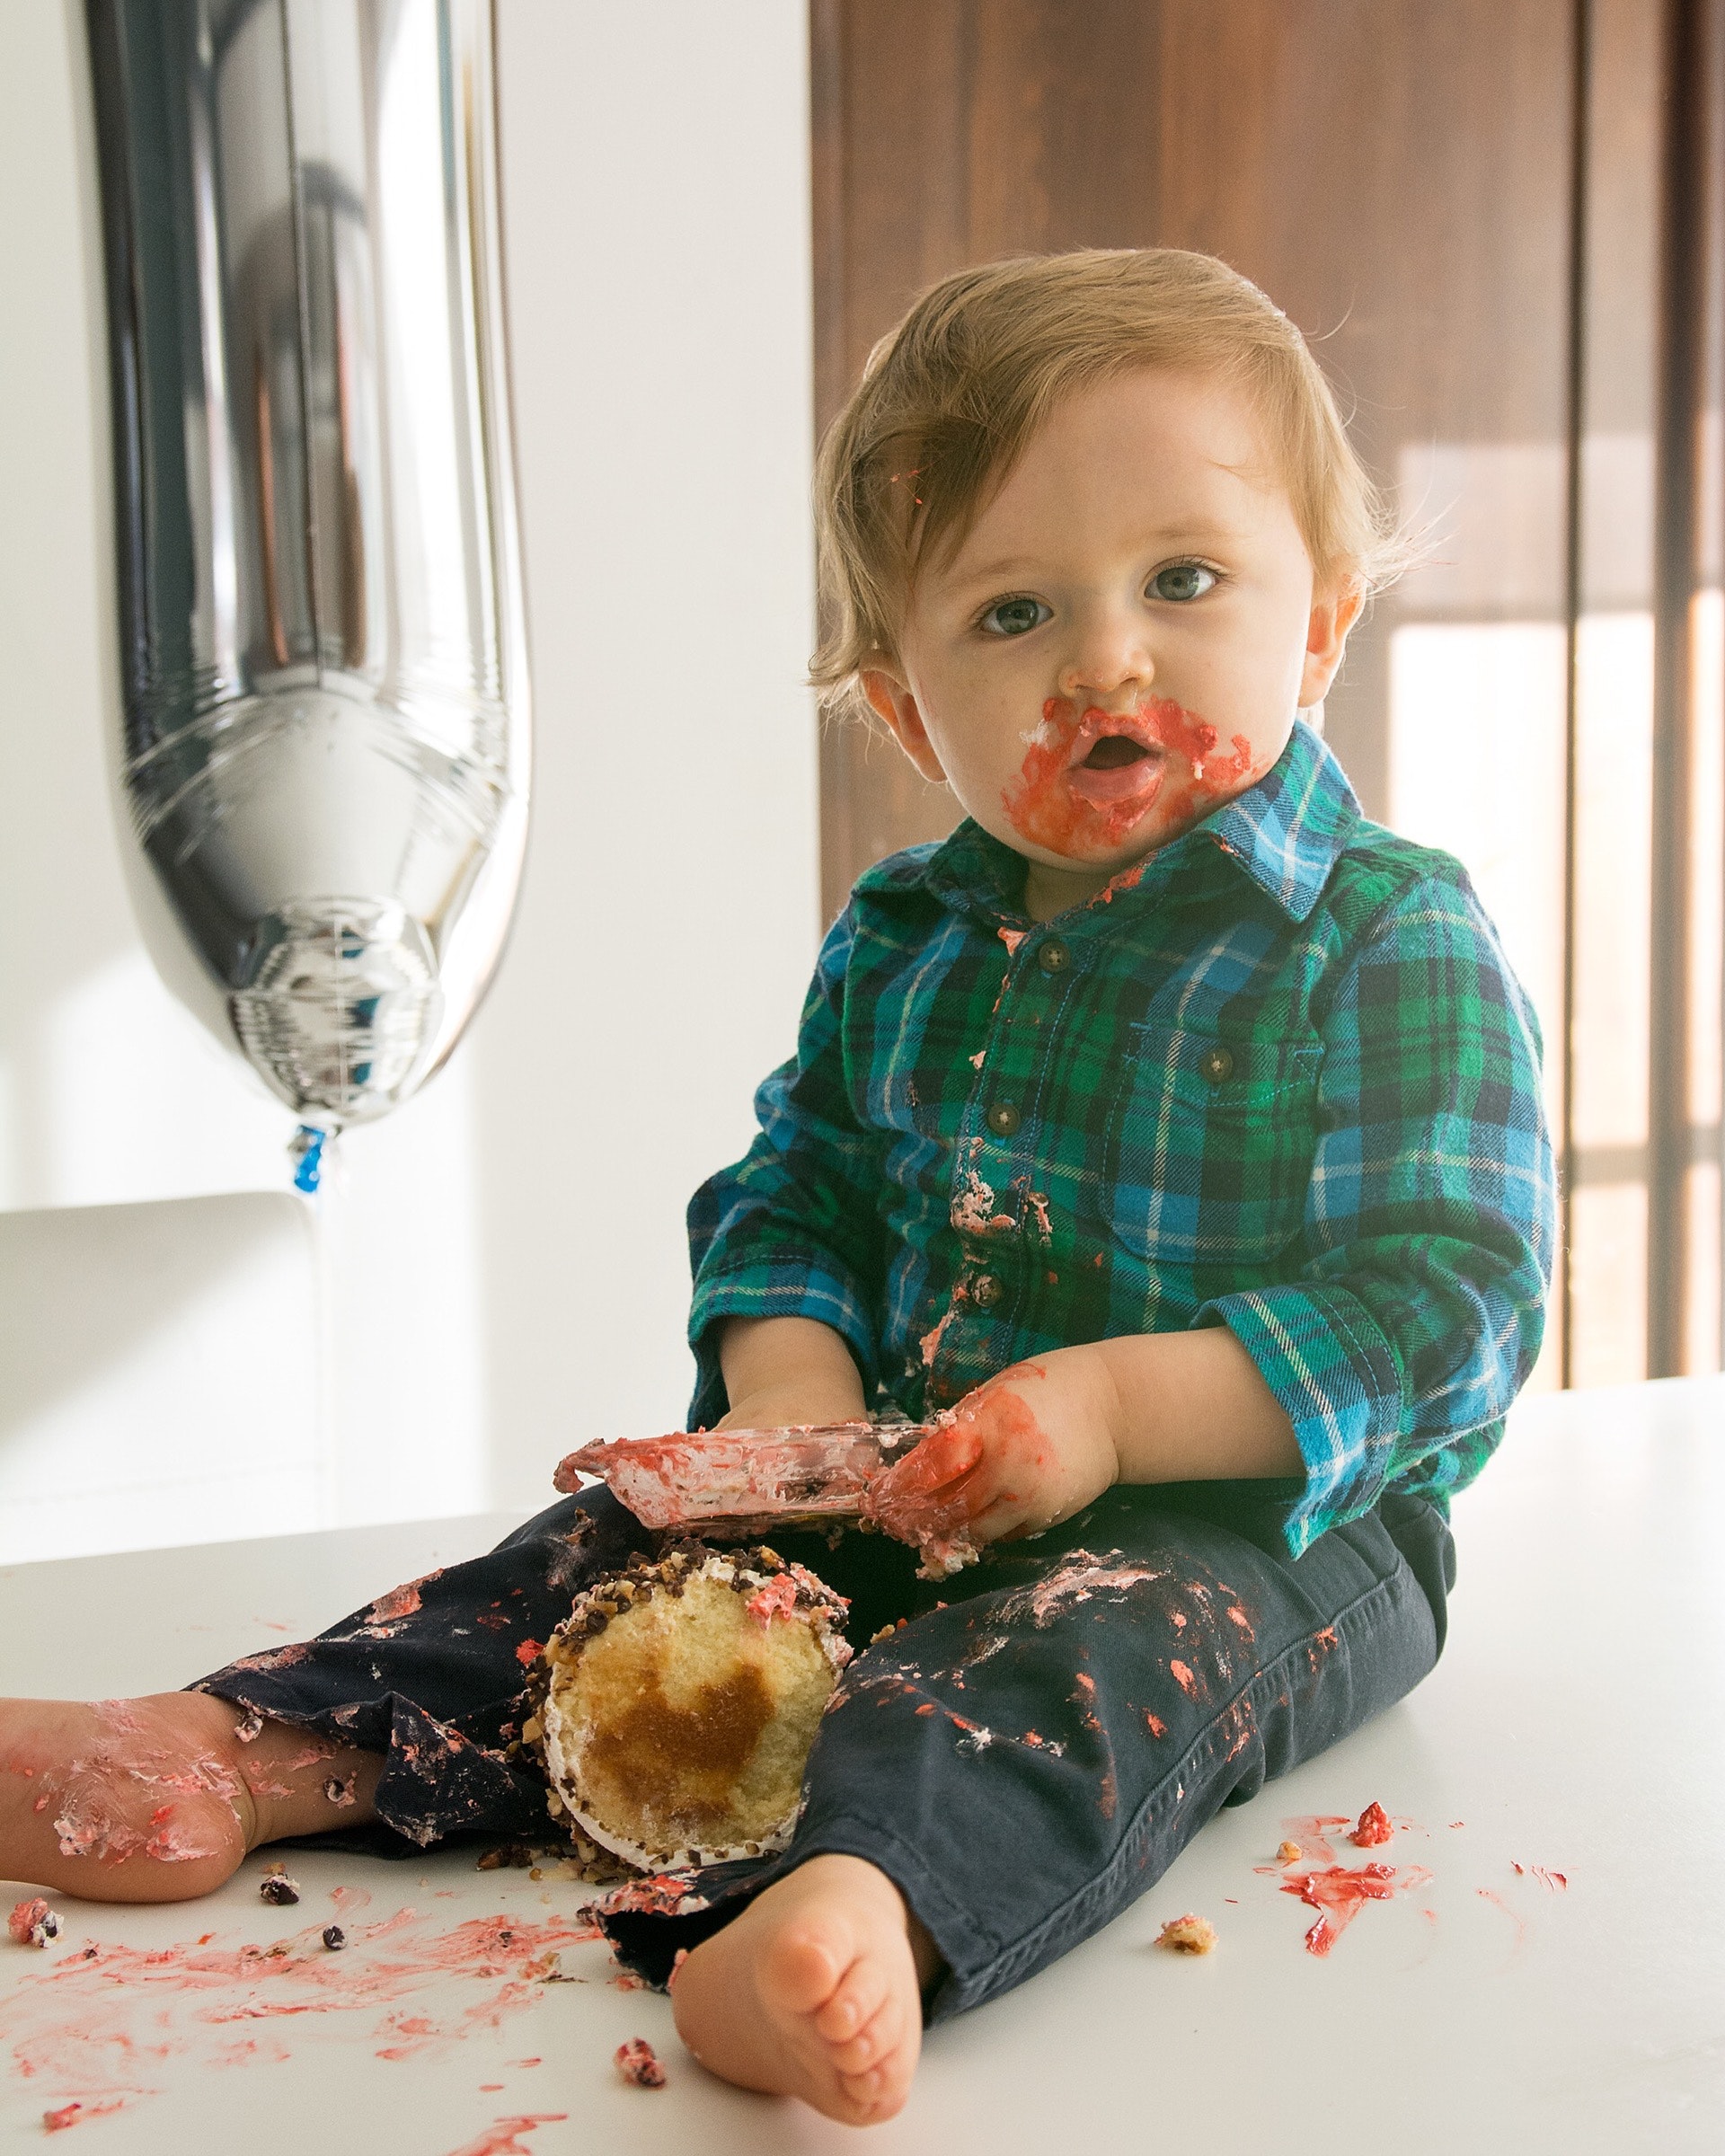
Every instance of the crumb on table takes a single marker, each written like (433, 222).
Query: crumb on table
(1188, 1934)
(276, 1889)
(32, 1923)
(636, 2063)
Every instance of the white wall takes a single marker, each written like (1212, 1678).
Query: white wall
(505, 1256)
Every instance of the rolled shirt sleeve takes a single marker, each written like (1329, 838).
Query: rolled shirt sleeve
(1429, 1221)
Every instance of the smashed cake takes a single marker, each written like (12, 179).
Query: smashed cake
(906, 1478)
(674, 1707)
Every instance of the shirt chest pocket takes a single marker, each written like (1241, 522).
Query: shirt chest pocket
(1208, 1152)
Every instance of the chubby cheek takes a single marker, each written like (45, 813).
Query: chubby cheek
(1194, 775)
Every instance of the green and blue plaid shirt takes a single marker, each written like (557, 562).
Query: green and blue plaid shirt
(1282, 1078)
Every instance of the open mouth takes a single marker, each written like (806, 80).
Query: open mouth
(1115, 760)
(1114, 752)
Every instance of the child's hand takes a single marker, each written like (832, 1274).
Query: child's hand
(1028, 1448)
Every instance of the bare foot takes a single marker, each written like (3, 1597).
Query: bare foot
(815, 1991)
(159, 1799)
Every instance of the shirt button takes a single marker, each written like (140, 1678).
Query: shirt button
(1054, 957)
(986, 1291)
(1004, 1118)
(1217, 1066)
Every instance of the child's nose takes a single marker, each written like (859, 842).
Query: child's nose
(1107, 655)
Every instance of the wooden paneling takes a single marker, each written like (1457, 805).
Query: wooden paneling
(1684, 1017)
(1609, 952)
(1648, 892)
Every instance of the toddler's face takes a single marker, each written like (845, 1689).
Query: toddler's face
(1123, 640)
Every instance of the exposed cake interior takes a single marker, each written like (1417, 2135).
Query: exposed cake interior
(680, 1700)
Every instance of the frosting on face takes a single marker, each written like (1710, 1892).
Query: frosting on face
(1091, 777)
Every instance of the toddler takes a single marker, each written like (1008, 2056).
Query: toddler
(1172, 1125)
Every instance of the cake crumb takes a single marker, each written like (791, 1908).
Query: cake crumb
(636, 2062)
(1373, 1828)
(276, 1889)
(507, 1856)
(1289, 1853)
(32, 1923)
(1188, 1934)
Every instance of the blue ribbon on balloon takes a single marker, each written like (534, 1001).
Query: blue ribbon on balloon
(307, 1150)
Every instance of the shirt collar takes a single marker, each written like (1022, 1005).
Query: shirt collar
(1285, 833)
(1288, 830)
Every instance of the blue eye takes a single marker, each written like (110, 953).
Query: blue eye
(1182, 580)
(1014, 617)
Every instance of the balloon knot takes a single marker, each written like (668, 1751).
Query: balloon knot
(305, 1149)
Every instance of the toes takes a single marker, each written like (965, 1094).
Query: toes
(855, 2003)
(877, 2038)
(877, 2094)
(864, 2089)
(802, 1970)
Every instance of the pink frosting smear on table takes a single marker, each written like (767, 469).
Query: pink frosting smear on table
(1313, 1831)
(503, 2137)
(1337, 1894)
(98, 2030)
(76, 2114)
(1520, 1922)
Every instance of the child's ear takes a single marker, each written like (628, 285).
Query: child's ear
(1333, 615)
(898, 709)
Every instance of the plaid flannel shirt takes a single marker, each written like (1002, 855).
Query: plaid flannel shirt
(1280, 1077)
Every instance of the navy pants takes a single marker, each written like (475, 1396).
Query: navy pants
(1024, 1756)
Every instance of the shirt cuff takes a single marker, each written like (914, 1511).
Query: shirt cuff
(1336, 1375)
(772, 1289)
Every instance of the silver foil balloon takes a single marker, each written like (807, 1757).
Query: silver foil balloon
(321, 637)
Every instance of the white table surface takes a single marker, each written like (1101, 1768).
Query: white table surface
(1574, 1723)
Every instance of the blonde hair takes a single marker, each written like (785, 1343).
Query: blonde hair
(949, 400)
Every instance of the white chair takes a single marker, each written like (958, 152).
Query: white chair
(159, 1375)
